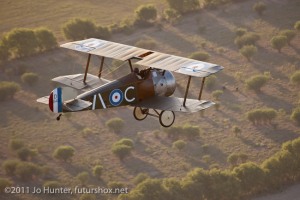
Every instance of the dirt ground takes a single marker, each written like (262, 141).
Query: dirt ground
(291, 193)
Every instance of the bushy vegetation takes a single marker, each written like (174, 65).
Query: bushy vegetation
(45, 38)
(4, 52)
(140, 178)
(278, 42)
(260, 8)
(30, 78)
(240, 183)
(210, 82)
(97, 171)
(25, 153)
(289, 34)
(4, 182)
(8, 89)
(248, 38)
(295, 78)
(297, 25)
(248, 51)
(235, 158)
(145, 14)
(122, 148)
(265, 115)
(296, 115)
(200, 55)
(216, 94)
(9, 166)
(171, 15)
(240, 32)
(83, 177)
(187, 131)
(27, 171)
(179, 144)
(15, 144)
(64, 153)
(256, 82)
(183, 6)
(115, 124)
(78, 29)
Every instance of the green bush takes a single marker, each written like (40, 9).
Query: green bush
(295, 78)
(64, 153)
(121, 150)
(8, 89)
(179, 144)
(248, 51)
(217, 93)
(296, 115)
(261, 115)
(233, 159)
(115, 185)
(183, 6)
(9, 166)
(210, 82)
(259, 7)
(15, 144)
(200, 55)
(52, 184)
(115, 124)
(289, 34)
(240, 32)
(97, 171)
(83, 177)
(246, 39)
(46, 39)
(25, 153)
(171, 15)
(4, 183)
(297, 26)
(256, 82)
(77, 29)
(125, 141)
(191, 132)
(102, 32)
(140, 178)
(146, 44)
(30, 78)
(146, 13)
(27, 171)
(278, 42)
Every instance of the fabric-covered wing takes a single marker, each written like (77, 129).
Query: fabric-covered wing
(147, 57)
(174, 104)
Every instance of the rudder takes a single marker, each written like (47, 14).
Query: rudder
(55, 100)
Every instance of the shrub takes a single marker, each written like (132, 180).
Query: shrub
(28, 171)
(237, 131)
(259, 7)
(233, 159)
(30, 78)
(83, 177)
(295, 77)
(52, 184)
(22, 41)
(77, 29)
(16, 144)
(248, 51)
(4, 52)
(171, 15)
(289, 34)
(116, 185)
(202, 56)
(121, 150)
(297, 26)
(191, 131)
(183, 6)
(9, 166)
(4, 183)
(102, 32)
(25, 153)
(179, 144)
(278, 42)
(97, 171)
(125, 141)
(115, 124)
(240, 32)
(64, 153)
(46, 39)
(146, 13)
(261, 115)
(146, 43)
(296, 115)
(8, 89)
(246, 39)
(243, 157)
(256, 82)
(210, 82)
(88, 196)
(140, 178)
(217, 93)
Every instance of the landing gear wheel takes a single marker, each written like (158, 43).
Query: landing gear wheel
(166, 118)
(140, 113)
(58, 117)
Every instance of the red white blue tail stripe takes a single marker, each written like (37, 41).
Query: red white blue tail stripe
(55, 100)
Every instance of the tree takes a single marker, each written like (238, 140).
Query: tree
(295, 78)
(289, 34)
(246, 39)
(233, 159)
(22, 42)
(115, 124)
(179, 144)
(77, 29)
(121, 150)
(259, 7)
(8, 89)
(296, 115)
(261, 115)
(256, 82)
(27, 171)
(30, 78)
(46, 39)
(183, 6)
(97, 171)
(64, 153)
(171, 14)
(278, 42)
(297, 26)
(248, 51)
(200, 55)
(124, 141)
(146, 13)
(4, 183)
(83, 177)
(9, 166)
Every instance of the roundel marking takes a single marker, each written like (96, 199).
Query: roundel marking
(116, 97)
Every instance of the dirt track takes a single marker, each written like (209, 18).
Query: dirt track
(291, 193)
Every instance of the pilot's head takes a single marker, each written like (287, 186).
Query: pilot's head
(136, 70)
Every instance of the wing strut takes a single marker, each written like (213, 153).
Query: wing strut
(101, 66)
(130, 64)
(87, 68)
(201, 89)
(187, 90)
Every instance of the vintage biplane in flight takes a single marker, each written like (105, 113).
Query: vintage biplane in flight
(150, 88)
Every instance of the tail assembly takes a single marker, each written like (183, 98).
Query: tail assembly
(56, 100)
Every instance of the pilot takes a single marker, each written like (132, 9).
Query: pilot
(137, 72)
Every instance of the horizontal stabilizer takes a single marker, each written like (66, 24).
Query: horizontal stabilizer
(44, 100)
(174, 104)
(76, 105)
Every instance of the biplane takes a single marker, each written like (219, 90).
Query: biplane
(148, 90)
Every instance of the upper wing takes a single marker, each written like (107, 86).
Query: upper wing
(174, 104)
(147, 57)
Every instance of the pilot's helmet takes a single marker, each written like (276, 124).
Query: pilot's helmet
(136, 70)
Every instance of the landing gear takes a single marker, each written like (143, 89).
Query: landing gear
(58, 117)
(166, 118)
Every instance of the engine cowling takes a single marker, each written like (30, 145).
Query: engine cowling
(164, 82)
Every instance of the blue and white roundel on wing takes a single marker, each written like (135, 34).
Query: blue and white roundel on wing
(116, 97)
